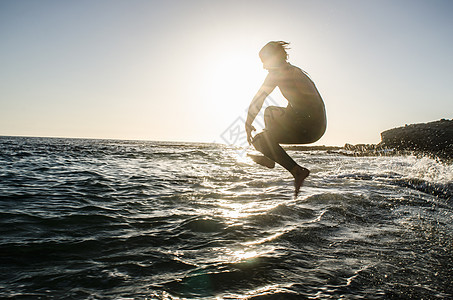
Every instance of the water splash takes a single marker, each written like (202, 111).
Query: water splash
(90, 218)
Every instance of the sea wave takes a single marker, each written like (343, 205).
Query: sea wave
(129, 219)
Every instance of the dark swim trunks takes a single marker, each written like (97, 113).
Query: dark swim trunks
(288, 126)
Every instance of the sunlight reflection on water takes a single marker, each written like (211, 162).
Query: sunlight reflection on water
(197, 221)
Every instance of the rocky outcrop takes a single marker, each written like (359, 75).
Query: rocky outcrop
(435, 138)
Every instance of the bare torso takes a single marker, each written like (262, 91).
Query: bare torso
(298, 89)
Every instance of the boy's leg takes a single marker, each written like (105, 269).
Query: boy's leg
(273, 151)
(262, 160)
(264, 143)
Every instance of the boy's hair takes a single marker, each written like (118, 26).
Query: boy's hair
(277, 48)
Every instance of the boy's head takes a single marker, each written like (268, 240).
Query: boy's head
(273, 54)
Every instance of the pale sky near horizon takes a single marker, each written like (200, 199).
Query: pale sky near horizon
(187, 70)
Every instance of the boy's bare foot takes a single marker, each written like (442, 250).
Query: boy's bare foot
(262, 160)
(299, 173)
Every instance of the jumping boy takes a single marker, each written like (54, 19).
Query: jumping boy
(303, 121)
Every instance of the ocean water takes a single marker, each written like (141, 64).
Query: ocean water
(103, 219)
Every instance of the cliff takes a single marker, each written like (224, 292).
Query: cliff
(435, 138)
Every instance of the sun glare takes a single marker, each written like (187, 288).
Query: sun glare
(244, 255)
(232, 80)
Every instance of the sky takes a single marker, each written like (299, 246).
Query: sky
(187, 70)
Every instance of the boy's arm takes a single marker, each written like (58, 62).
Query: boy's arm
(257, 102)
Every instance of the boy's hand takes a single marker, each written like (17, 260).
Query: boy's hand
(248, 129)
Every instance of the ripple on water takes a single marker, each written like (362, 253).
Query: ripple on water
(112, 219)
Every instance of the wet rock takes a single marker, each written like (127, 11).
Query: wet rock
(434, 137)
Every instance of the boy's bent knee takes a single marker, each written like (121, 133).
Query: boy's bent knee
(263, 140)
(272, 112)
(259, 140)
